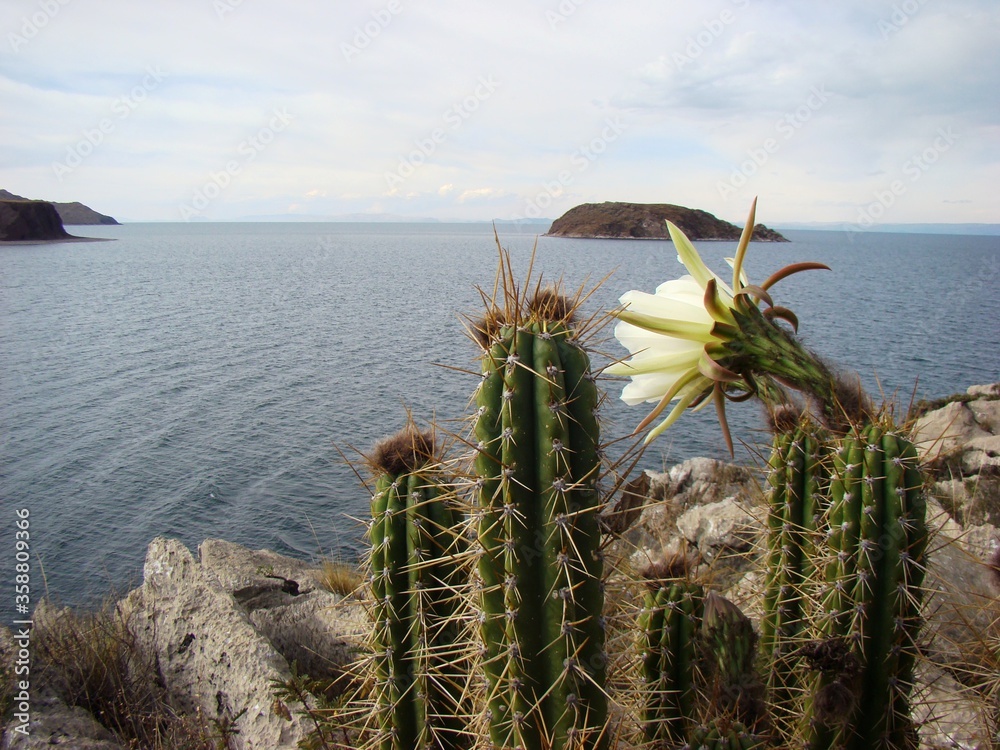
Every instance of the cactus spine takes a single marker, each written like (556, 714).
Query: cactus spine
(871, 603)
(414, 575)
(540, 566)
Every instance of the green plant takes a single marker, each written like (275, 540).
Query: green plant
(869, 618)
(798, 499)
(723, 735)
(540, 565)
(668, 625)
(414, 577)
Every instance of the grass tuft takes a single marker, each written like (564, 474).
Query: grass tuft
(340, 577)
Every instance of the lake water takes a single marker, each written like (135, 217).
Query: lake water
(196, 380)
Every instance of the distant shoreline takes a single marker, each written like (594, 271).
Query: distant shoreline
(4, 243)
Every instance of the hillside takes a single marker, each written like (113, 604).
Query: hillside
(648, 221)
(70, 213)
(22, 221)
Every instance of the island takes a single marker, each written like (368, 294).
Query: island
(648, 221)
(70, 213)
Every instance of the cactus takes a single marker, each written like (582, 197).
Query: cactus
(735, 690)
(797, 503)
(871, 601)
(540, 566)
(414, 574)
(668, 625)
(714, 737)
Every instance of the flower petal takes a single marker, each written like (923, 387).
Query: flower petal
(651, 387)
(689, 256)
(681, 329)
(651, 361)
(683, 404)
(741, 249)
(665, 306)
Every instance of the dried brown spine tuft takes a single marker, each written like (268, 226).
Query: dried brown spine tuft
(404, 452)
(549, 304)
(671, 568)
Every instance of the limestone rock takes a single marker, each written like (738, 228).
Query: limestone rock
(54, 724)
(949, 714)
(695, 482)
(318, 630)
(987, 413)
(209, 655)
(720, 526)
(989, 390)
(946, 430)
(981, 454)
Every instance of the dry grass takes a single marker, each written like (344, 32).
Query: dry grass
(339, 577)
(90, 659)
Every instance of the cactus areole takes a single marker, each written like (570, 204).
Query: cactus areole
(541, 594)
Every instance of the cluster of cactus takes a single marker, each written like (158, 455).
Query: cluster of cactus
(697, 658)
(844, 560)
(414, 579)
(540, 566)
(871, 596)
(846, 541)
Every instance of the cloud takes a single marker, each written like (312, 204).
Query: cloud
(701, 89)
(480, 194)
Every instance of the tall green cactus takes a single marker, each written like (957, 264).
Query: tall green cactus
(540, 567)
(797, 502)
(668, 626)
(414, 577)
(870, 607)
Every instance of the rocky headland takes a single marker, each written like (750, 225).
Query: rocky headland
(24, 221)
(648, 221)
(219, 627)
(70, 213)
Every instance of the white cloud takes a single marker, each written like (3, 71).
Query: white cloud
(699, 87)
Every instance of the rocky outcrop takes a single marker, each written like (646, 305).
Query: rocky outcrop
(317, 630)
(70, 213)
(209, 656)
(30, 220)
(648, 221)
(714, 514)
(221, 628)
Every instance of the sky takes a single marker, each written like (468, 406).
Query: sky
(858, 112)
